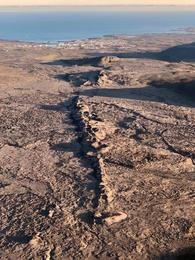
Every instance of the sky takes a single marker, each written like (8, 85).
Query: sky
(97, 2)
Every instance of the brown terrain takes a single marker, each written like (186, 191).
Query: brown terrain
(97, 149)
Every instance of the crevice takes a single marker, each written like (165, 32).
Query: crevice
(50, 254)
(127, 164)
(177, 151)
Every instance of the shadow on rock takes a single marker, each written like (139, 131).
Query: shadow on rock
(94, 61)
(184, 52)
(73, 147)
(181, 254)
(78, 79)
(172, 94)
(184, 87)
(56, 107)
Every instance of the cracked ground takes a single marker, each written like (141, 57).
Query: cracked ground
(97, 149)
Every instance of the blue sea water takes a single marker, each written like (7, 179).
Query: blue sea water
(64, 24)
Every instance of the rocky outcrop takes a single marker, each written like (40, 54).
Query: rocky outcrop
(107, 60)
(93, 132)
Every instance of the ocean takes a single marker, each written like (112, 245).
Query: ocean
(53, 24)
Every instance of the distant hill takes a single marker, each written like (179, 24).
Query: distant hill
(178, 53)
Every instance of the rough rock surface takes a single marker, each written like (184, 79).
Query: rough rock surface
(97, 149)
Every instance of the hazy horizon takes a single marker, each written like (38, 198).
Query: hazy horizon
(98, 8)
(94, 2)
(88, 5)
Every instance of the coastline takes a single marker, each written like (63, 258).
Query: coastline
(73, 25)
(57, 43)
